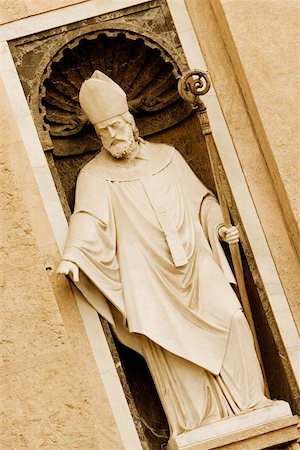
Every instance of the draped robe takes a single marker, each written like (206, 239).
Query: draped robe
(158, 274)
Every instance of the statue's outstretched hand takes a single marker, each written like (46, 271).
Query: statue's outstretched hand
(69, 268)
(229, 235)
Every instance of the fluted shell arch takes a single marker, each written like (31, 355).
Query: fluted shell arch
(145, 71)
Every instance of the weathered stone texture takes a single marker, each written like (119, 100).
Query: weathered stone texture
(19, 9)
(51, 394)
(10, 11)
(251, 158)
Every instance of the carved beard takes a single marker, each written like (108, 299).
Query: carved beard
(122, 147)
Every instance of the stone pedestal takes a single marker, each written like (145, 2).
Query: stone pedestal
(256, 430)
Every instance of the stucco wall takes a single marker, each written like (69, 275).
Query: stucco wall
(261, 37)
(11, 10)
(260, 180)
(51, 393)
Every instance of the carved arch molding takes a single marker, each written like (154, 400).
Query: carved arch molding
(144, 69)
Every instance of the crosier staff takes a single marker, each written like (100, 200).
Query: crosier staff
(191, 86)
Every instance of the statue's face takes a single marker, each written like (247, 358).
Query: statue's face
(116, 136)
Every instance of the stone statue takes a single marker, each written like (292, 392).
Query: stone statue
(144, 243)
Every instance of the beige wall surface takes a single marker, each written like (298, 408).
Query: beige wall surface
(11, 10)
(253, 163)
(51, 393)
(261, 37)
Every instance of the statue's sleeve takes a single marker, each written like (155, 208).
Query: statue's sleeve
(91, 243)
(91, 228)
(211, 219)
(208, 208)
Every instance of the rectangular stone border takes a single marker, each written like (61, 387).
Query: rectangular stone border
(57, 218)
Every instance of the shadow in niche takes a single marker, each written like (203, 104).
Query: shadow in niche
(268, 335)
(147, 402)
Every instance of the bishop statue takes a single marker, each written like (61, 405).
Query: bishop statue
(144, 248)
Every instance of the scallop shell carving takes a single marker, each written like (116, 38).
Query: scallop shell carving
(146, 73)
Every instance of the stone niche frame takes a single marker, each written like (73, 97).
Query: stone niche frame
(253, 240)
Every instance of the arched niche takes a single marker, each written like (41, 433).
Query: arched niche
(149, 75)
